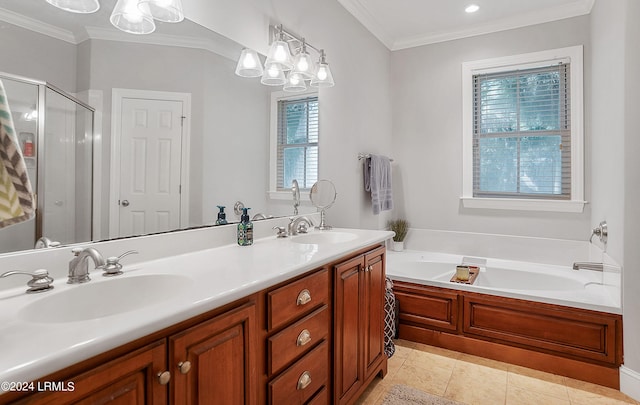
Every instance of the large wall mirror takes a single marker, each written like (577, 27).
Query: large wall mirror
(184, 74)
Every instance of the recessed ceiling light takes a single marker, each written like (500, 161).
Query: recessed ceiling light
(472, 8)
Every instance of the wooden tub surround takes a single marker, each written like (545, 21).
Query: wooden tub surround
(577, 343)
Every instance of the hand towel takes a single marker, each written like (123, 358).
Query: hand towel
(16, 195)
(377, 180)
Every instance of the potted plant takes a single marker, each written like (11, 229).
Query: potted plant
(400, 227)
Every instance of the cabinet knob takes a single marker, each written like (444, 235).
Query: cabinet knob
(303, 338)
(304, 297)
(304, 380)
(164, 377)
(184, 366)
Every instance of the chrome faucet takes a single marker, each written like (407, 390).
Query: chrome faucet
(79, 266)
(43, 242)
(299, 225)
(588, 266)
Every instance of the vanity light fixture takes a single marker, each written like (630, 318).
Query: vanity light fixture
(164, 10)
(280, 68)
(323, 76)
(249, 64)
(131, 17)
(280, 53)
(76, 6)
(472, 8)
(295, 82)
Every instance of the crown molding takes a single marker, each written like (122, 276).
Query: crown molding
(37, 26)
(366, 18)
(108, 34)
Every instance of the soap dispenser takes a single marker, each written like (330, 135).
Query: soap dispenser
(222, 217)
(245, 229)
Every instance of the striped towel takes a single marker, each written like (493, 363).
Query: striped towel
(16, 196)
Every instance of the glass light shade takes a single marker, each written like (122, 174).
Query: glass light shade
(323, 76)
(273, 75)
(76, 6)
(295, 82)
(280, 53)
(302, 64)
(249, 64)
(129, 17)
(164, 10)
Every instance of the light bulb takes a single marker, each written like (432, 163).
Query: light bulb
(273, 71)
(303, 64)
(280, 54)
(249, 62)
(322, 73)
(294, 79)
(132, 14)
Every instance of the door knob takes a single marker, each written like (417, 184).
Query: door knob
(125, 203)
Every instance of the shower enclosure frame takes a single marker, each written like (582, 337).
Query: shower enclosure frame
(39, 190)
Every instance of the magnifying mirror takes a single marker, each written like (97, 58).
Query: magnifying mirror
(323, 195)
(296, 196)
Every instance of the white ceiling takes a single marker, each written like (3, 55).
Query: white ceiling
(400, 24)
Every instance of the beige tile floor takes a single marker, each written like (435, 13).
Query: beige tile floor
(450, 374)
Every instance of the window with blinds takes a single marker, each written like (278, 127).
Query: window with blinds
(522, 133)
(297, 142)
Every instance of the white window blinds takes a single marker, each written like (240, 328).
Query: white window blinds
(522, 133)
(297, 142)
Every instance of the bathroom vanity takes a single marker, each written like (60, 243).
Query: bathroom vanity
(309, 332)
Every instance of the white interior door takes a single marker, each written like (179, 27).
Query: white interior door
(150, 165)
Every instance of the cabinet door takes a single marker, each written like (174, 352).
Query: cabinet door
(221, 365)
(349, 372)
(373, 290)
(128, 380)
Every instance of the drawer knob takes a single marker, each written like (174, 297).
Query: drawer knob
(184, 366)
(304, 297)
(304, 380)
(164, 377)
(303, 338)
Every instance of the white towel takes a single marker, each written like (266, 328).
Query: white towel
(16, 196)
(377, 180)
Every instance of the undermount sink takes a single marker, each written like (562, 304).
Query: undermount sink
(324, 237)
(105, 298)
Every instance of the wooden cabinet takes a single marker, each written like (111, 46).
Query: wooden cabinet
(574, 342)
(297, 341)
(213, 362)
(128, 380)
(316, 339)
(358, 324)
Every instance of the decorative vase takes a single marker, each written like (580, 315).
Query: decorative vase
(397, 246)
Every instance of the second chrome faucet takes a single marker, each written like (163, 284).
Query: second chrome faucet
(79, 265)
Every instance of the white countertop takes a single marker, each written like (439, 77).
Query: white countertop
(217, 276)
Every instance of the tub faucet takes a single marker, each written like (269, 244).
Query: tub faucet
(79, 266)
(300, 224)
(588, 266)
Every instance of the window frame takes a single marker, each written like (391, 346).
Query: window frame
(572, 54)
(277, 96)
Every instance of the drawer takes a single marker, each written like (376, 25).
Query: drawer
(321, 398)
(303, 379)
(287, 303)
(295, 340)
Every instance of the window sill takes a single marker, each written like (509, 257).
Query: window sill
(523, 205)
(287, 195)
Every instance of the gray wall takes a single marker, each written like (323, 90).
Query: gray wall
(36, 56)
(631, 256)
(427, 132)
(355, 115)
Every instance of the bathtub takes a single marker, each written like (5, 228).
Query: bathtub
(546, 283)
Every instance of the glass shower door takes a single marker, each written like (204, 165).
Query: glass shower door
(67, 169)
